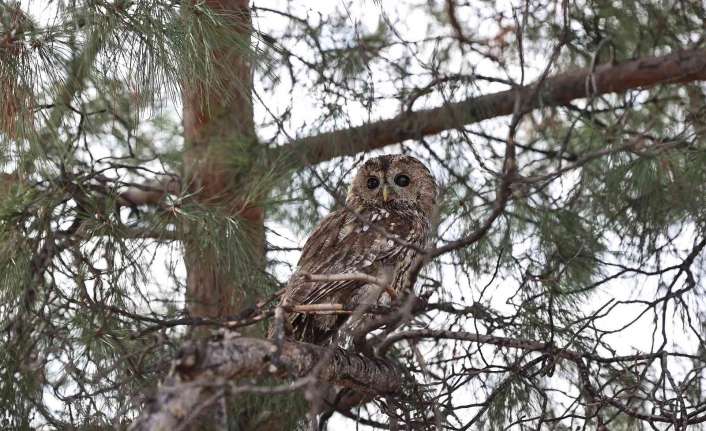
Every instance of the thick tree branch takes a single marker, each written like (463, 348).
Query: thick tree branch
(678, 67)
(203, 371)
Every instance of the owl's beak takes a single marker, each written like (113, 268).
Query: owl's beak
(385, 193)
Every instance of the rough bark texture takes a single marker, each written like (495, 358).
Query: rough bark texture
(213, 123)
(679, 67)
(202, 371)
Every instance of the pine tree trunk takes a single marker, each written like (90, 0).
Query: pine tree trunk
(218, 118)
(216, 115)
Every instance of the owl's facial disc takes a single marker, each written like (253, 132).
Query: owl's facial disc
(393, 178)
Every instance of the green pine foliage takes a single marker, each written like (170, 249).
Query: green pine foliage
(599, 239)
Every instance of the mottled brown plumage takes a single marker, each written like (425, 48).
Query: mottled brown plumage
(394, 193)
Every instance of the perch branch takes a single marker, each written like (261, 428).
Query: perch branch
(202, 370)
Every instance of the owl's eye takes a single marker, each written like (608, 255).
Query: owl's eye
(402, 180)
(373, 183)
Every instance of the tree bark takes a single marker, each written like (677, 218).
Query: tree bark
(213, 125)
(218, 122)
(203, 371)
(561, 89)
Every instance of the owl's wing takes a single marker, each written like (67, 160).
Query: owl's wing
(343, 243)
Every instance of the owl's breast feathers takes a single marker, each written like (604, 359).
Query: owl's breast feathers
(367, 241)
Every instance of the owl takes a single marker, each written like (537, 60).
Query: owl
(391, 197)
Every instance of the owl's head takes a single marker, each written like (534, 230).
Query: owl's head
(393, 178)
